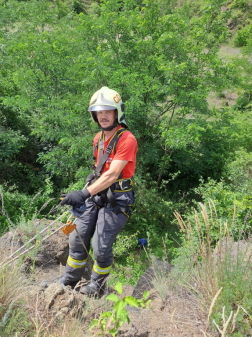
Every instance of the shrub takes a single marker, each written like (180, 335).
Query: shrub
(242, 36)
(18, 207)
(241, 4)
(225, 197)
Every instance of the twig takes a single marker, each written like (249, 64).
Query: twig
(35, 196)
(3, 209)
(226, 325)
(44, 206)
(234, 319)
(217, 326)
(212, 305)
(244, 223)
(173, 313)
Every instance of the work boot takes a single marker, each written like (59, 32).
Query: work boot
(65, 282)
(93, 289)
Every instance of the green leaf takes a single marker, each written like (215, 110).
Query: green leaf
(119, 324)
(93, 323)
(118, 287)
(124, 316)
(106, 314)
(132, 301)
(112, 297)
(146, 294)
(118, 307)
(148, 302)
(113, 332)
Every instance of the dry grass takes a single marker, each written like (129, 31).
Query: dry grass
(209, 273)
(203, 274)
(11, 287)
(210, 270)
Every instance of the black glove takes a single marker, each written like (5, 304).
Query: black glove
(90, 177)
(75, 198)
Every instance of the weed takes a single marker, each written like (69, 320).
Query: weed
(220, 277)
(110, 321)
(13, 316)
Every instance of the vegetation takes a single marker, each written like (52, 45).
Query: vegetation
(163, 57)
(110, 321)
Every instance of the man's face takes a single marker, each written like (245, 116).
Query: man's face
(106, 117)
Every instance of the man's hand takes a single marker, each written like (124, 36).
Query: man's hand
(75, 198)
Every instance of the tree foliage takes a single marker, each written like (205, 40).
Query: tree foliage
(162, 59)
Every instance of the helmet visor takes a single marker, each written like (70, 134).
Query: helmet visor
(101, 107)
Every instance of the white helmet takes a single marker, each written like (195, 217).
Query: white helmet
(107, 99)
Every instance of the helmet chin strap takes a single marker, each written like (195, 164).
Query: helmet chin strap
(114, 125)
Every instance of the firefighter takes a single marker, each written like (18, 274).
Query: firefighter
(108, 197)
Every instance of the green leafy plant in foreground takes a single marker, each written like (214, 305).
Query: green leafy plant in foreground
(110, 321)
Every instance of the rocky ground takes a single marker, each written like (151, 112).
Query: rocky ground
(175, 315)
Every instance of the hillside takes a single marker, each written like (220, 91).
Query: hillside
(183, 69)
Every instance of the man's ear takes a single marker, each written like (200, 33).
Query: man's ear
(116, 113)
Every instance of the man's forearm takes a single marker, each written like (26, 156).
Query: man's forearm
(106, 180)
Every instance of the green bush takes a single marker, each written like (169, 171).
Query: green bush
(242, 36)
(225, 197)
(18, 206)
(241, 4)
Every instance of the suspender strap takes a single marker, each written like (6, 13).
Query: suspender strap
(120, 184)
(104, 157)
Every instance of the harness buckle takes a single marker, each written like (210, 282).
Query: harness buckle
(108, 149)
(124, 184)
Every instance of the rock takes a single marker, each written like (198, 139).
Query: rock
(33, 292)
(60, 316)
(76, 312)
(132, 309)
(68, 302)
(25, 268)
(62, 255)
(53, 250)
(145, 281)
(44, 284)
(9, 243)
(64, 310)
(52, 292)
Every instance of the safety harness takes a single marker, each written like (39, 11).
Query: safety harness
(120, 185)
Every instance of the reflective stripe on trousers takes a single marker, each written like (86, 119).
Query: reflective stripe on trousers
(76, 263)
(103, 225)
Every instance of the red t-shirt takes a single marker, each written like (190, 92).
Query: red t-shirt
(126, 149)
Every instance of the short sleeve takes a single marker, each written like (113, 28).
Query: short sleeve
(126, 149)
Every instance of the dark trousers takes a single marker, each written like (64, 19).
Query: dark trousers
(101, 223)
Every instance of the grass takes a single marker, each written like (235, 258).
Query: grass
(216, 274)
(21, 315)
(13, 316)
(220, 277)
